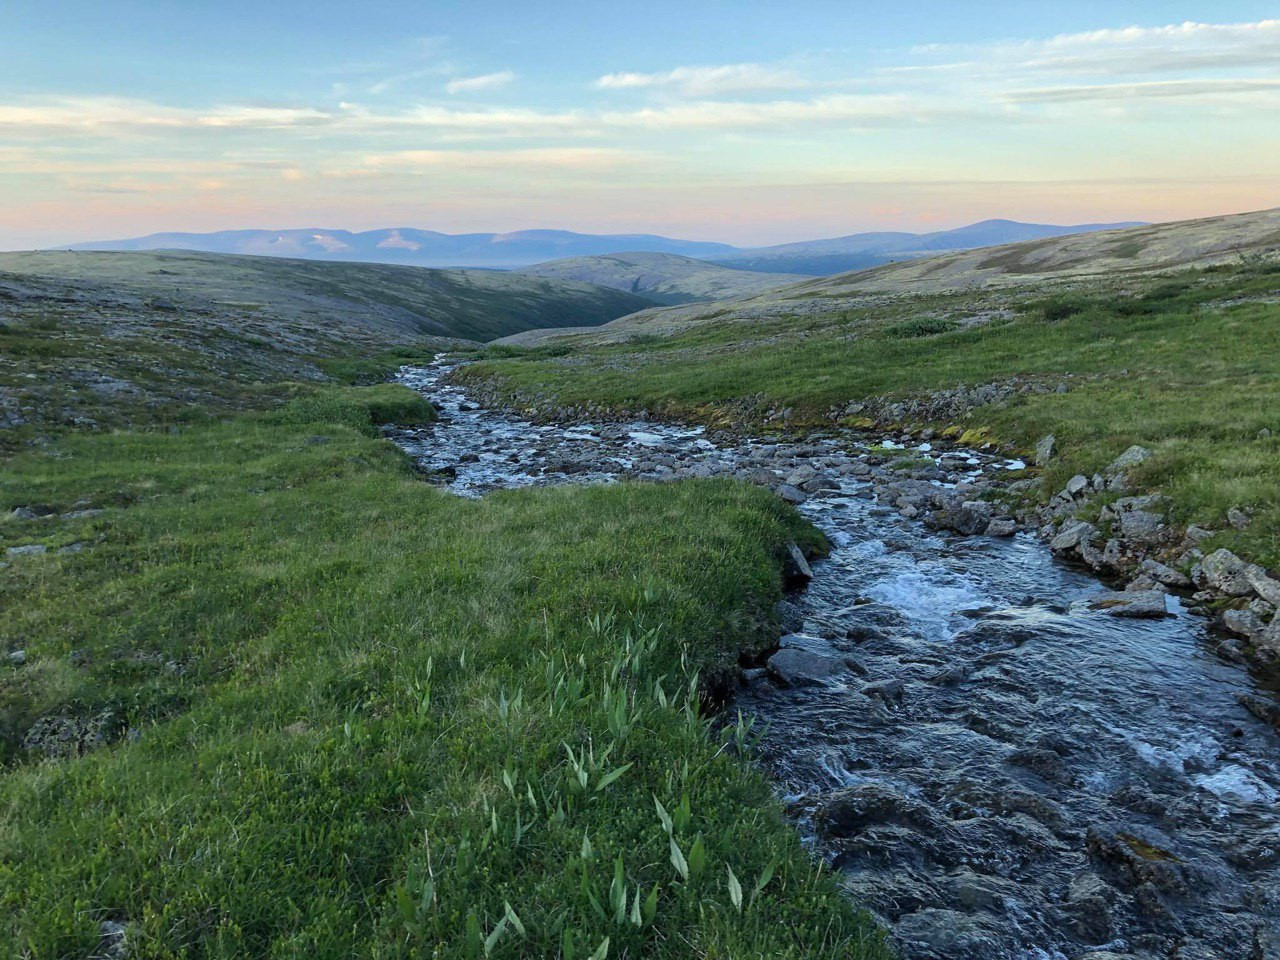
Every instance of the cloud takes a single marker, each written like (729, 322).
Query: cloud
(527, 159)
(1186, 46)
(1149, 89)
(708, 81)
(486, 81)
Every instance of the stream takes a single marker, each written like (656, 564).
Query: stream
(997, 771)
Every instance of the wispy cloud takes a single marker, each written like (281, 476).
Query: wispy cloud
(1162, 89)
(525, 159)
(486, 81)
(709, 81)
(1126, 51)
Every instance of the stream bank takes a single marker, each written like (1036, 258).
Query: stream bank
(1004, 758)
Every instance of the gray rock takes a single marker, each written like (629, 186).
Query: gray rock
(27, 550)
(795, 568)
(1002, 527)
(1263, 586)
(1130, 458)
(797, 667)
(1198, 534)
(1138, 603)
(31, 513)
(1046, 447)
(1071, 535)
(18, 657)
(791, 494)
(790, 618)
(1238, 518)
(1167, 575)
(1223, 571)
(1268, 641)
(1142, 527)
(1077, 485)
(1243, 623)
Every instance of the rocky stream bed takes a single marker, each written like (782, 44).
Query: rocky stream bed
(1005, 759)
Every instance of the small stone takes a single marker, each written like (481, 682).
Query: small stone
(18, 657)
(1238, 518)
(1045, 449)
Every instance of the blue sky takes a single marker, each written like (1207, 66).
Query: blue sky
(746, 122)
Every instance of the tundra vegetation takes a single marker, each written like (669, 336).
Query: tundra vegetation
(1185, 363)
(263, 692)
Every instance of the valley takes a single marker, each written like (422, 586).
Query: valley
(367, 610)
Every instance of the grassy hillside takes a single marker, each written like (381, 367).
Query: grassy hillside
(101, 340)
(294, 700)
(1187, 364)
(263, 692)
(662, 277)
(1079, 261)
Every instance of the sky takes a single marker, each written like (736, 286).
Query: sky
(750, 122)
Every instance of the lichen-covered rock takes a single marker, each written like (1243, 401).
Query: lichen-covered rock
(1130, 458)
(1072, 534)
(1134, 603)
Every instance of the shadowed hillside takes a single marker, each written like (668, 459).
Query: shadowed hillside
(101, 340)
(664, 278)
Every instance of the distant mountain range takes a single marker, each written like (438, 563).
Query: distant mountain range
(429, 248)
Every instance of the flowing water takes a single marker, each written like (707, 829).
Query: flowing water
(999, 772)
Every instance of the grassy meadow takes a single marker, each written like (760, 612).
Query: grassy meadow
(291, 701)
(1187, 364)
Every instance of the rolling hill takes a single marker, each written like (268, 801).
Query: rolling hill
(664, 278)
(103, 340)
(1042, 264)
(863, 250)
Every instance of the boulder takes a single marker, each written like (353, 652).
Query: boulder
(795, 568)
(1077, 485)
(1165, 574)
(797, 667)
(964, 519)
(1238, 518)
(1243, 623)
(1072, 534)
(1263, 586)
(791, 494)
(1139, 604)
(1139, 526)
(1130, 458)
(1224, 572)
(1002, 527)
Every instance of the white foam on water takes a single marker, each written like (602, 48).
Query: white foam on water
(647, 438)
(1015, 465)
(928, 597)
(1237, 783)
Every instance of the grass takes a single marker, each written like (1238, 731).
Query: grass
(1187, 365)
(330, 711)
